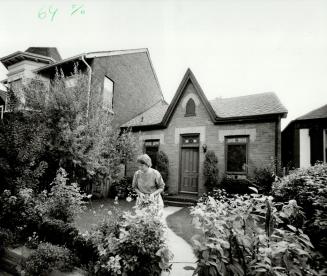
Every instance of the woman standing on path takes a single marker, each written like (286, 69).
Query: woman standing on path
(148, 184)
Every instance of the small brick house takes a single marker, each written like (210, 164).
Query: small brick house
(304, 140)
(244, 132)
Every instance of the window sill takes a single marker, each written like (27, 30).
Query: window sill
(190, 115)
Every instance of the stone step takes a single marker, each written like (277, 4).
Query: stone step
(178, 203)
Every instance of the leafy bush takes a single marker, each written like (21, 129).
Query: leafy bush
(35, 144)
(236, 186)
(47, 258)
(18, 213)
(6, 239)
(64, 234)
(309, 188)
(132, 245)
(123, 188)
(216, 194)
(264, 178)
(163, 166)
(210, 170)
(245, 236)
(64, 201)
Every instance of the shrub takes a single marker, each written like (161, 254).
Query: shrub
(163, 166)
(264, 178)
(132, 245)
(6, 238)
(210, 170)
(123, 188)
(236, 186)
(309, 188)
(47, 258)
(64, 234)
(64, 201)
(244, 235)
(18, 213)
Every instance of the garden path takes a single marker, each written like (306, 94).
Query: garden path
(184, 257)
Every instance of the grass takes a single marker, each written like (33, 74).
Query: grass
(97, 210)
(181, 223)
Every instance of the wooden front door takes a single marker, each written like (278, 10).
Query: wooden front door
(189, 166)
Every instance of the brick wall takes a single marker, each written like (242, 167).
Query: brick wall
(261, 148)
(135, 85)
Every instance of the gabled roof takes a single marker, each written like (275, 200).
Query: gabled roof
(51, 52)
(152, 116)
(189, 76)
(249, 105)
(220, 110)
(318, 113)
(92, 55)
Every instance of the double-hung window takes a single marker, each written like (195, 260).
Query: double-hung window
(236, 154)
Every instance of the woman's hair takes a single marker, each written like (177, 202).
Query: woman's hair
(144, 159)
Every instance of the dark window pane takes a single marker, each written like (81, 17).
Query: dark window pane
(236, 158)
(190, 107)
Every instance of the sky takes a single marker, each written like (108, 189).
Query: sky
(234, 47)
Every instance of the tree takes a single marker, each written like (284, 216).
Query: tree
(210, 170)
(50, 129)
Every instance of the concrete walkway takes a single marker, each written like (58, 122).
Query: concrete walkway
(183, 253)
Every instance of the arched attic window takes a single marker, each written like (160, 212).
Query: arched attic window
(190, 108)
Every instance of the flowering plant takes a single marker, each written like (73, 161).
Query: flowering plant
(134, 244)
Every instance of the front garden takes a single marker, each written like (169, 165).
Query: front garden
(51, 157)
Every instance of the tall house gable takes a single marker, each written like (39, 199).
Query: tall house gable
(135, 85)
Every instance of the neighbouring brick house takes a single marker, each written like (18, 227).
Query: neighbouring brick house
(244, 132)
(304, 140)
(126, 79)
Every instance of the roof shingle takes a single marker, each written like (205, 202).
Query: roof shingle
(151, 116)
(45, 51)
(318, 113)
(249, 105)
(225, 108)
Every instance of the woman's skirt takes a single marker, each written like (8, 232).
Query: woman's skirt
(157, 203)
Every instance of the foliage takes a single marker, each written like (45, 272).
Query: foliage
(50, 129)
(17, 213)
(248, 235)
(5, 239)
(64, 201)
(47, 258)
(64, 234)
(264, 178)
(236, 186)
(132, 245)
(210, 170)
(123, 188)
(309, 188)
(163, 166)
(22, 143)
(216, 194)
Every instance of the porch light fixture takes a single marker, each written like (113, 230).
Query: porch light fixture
(204, 147)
